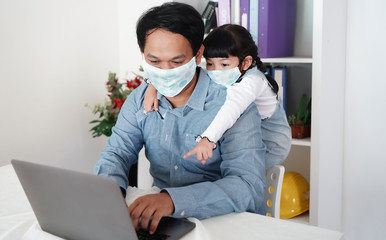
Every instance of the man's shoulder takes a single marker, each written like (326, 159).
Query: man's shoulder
(136, 97)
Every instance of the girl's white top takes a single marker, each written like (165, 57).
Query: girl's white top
(254, 87)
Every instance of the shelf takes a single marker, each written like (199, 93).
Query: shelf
(302, 142)
(281, 60)
(302, 218)
(287, 60)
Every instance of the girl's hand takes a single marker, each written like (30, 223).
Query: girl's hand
(203, 149)
(150, 102)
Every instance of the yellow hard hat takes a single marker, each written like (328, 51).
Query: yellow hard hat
(295, 195)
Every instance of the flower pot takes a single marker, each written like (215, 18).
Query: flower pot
(300, 131)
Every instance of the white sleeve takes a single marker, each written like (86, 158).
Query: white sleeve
(239, 97)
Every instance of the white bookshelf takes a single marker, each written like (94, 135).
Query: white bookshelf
(319, 50)
(287, 60)
(302, 142)
(302, 218)
(299, 74)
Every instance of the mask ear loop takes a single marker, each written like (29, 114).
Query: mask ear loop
(241, 71)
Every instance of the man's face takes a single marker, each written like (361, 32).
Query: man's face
(167, 50)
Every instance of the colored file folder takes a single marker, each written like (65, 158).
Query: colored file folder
(244, 13)
(280, 75)
(254, 19)
(276, 28)
(224, 12)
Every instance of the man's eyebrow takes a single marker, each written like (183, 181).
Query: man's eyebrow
(149, 55)
(179, 56)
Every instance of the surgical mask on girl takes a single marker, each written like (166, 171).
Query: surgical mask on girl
(225, 77)
(170, 82)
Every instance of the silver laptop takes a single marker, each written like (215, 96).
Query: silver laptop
(75, 205)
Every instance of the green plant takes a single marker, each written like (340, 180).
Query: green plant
(303, 116)
(108, 112)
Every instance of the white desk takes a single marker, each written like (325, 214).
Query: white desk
(17, 221)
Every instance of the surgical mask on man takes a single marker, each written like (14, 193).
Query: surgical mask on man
(170, 82)
(225, 77)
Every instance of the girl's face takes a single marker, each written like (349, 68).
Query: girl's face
(222, 63)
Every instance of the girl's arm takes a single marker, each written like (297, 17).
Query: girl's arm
(150, 99)
(239, 97)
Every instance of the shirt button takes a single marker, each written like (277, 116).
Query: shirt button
(182, 213)
(176, 167)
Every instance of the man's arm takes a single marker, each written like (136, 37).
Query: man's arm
(243, 170)
(123, 146)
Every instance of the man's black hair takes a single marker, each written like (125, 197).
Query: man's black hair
(174, 17)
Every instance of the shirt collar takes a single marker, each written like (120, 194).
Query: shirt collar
(198, 97)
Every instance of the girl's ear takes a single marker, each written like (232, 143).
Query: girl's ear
(199, 54)
(247, 62)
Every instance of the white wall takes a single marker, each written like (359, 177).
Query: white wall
(54, 58)
(364, 178)
(130, 57)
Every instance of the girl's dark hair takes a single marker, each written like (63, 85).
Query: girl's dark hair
(235, 40)
(174, 17)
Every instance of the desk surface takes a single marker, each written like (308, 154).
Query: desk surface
(17, 221)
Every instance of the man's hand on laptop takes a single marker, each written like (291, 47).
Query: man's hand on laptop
(150, 209)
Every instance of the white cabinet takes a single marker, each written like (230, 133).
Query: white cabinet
(319, 66)
(320, 48)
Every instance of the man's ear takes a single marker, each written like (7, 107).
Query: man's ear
(247, 62)
(199, 54)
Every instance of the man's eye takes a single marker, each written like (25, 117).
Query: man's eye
(177, 63)
(154, 61)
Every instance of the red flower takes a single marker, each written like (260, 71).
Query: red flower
(138, 81)
(117, 103)
(133, 84)
(130, 84)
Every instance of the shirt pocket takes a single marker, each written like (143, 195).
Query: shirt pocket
(209, 171)
(190, 143)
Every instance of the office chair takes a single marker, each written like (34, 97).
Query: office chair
(272, 194)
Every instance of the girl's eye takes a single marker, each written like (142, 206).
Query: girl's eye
(224, 64)
(208, 64)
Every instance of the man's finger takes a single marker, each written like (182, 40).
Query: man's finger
(154, 223)
(146, 217)
(136, 209)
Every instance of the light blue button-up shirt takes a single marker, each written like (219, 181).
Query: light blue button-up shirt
(233, 180)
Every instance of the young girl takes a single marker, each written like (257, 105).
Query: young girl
(232, 60)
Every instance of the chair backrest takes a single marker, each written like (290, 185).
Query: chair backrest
(274, 181)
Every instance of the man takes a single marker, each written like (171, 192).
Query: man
(170, 38)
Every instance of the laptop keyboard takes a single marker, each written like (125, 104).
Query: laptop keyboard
(145, 235)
